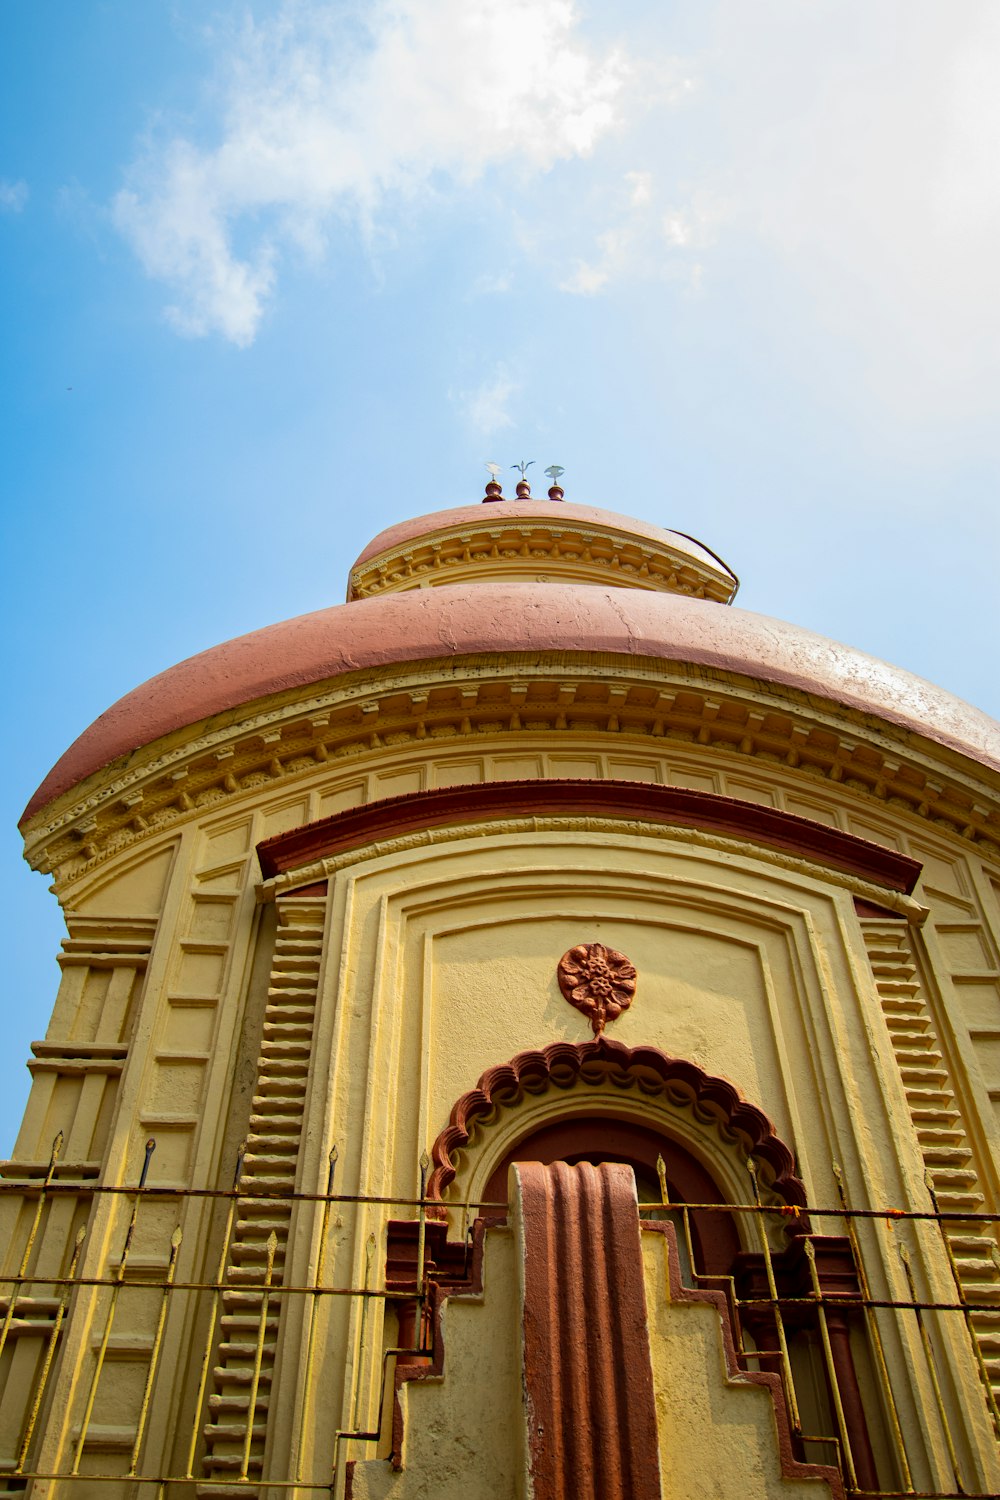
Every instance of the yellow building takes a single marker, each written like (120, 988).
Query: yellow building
(410, 943)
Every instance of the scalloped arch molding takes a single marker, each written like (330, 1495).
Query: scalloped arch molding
(654, 1073)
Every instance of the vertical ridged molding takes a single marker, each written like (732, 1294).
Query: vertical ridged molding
(590, 1412)
(275, 1135)
(937, 1123)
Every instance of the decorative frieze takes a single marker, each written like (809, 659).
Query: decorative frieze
(533, 549)
(650, 708)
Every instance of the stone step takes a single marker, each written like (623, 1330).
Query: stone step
(928, 1103)
(238, 1404)
(933, 1112)
(233, 1433)
(916, 1056)
(248, 1299)
(233, 1323)
(225, 1376)
(250, 1275)
(290, 1068)
(945, 1154)
(285, 1089)
(240, 1350)
(953, 1177)
(271, 1145)
(953, 1202)
(265, 1214)
(974, 1243)
(208, 1491)
(271, 1118)
(945, 1135)
(908, 1032)
(251, 1228)
(253, 1252)
(923, 1073)
(274, 1164)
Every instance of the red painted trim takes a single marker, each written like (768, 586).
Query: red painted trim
(668, 805)
(868, 909)
(443, 1281)
(791, 1467)
(590, 1409)
(838, 1276)
(563, 1064)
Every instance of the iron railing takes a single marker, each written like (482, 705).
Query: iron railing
(40, 1307)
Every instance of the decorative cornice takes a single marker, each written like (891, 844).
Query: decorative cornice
(457, 702)
(647, 801)
(520, 547)
(654, 1073)
(608, 828)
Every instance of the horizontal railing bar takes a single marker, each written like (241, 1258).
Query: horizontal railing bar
(828, 1299)
(243, 1485)
(776, 1210)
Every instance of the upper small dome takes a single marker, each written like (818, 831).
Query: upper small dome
(537, 541)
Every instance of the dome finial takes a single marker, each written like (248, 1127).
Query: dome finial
(493, 488)
(555, 473)
(523, 487)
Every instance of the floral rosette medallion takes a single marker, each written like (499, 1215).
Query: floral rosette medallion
(598, 981)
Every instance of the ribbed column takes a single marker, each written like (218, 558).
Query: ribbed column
(588, 1378)
(270, 1165)
(938, 1126)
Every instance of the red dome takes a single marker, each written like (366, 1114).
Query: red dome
(487, 618)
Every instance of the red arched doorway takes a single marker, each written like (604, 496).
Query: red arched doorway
(600, 1138)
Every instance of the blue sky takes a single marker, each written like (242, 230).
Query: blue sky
(276, 275)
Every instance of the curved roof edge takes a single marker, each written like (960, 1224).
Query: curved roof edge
(551, 512)
(516, 617)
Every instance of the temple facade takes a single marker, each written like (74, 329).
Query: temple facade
(531, 1031)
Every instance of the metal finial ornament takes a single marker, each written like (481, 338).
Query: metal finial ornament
(523, 487)
(494, 490)
(555, 472)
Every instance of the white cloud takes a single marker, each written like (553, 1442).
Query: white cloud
(840, 160)
(641, 185)
(13, 196)
(861, 147)
(492, 284)
(586, 279)
(485, 407)
(318, 122)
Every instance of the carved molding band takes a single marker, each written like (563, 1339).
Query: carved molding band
(163, 784)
